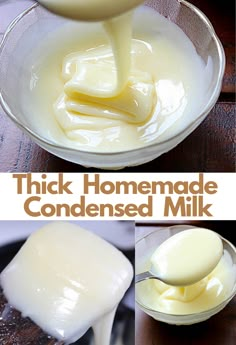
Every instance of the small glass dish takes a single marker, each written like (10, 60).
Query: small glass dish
(35, 24)
(146, 246)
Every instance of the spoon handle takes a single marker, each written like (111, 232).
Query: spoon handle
(144, 276)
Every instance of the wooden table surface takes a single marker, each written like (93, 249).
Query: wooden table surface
(210, 148)
(218, 330)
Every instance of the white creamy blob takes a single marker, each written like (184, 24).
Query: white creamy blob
(83, 96)
(90, 9)
(67, 280)
(187, 257)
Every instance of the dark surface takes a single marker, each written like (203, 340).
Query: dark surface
(15, 330)
(210, 148)
(219, 329)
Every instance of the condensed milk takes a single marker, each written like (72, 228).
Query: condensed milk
(177, 260)
(67, 279)
(213, 287)
(90, 94)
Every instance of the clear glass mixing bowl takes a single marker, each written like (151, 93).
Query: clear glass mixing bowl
(144, 249)
(35, 23)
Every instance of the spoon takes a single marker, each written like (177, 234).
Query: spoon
(86, 10)
(89, 10)
(185, 258)
(146, 275)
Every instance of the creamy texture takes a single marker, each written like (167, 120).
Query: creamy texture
(77, 74)
(119, 30)
(68, 280)
(203, 295)
(90, 9)
(187, 257)
(79, 99)
(91, 74)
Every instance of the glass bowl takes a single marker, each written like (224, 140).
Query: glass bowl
(146, 246)
(35, 24)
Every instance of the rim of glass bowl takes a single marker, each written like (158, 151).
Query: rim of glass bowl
(214, 96)
(211, 310)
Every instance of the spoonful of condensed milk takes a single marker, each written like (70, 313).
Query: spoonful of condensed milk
(185, 258)
(90, 10)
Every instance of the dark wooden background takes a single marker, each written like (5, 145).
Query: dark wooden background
(218, 330)
(211, 148)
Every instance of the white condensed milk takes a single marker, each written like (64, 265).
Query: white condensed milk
(193, 260)
(84, 96)
(66, 279)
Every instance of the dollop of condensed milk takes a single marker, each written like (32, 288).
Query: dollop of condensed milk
(67, 279)
(195, 257)
(177, 260)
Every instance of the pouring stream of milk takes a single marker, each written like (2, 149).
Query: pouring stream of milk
(117, 25)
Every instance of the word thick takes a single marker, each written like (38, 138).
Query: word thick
(26, 184)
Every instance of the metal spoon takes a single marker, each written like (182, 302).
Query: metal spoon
(151, 274)
(146, 275)
(81, 10)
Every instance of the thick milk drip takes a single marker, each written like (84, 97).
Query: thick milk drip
(66, 279)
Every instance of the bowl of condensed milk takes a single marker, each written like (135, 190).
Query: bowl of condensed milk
(185, 305)
(111, 93)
